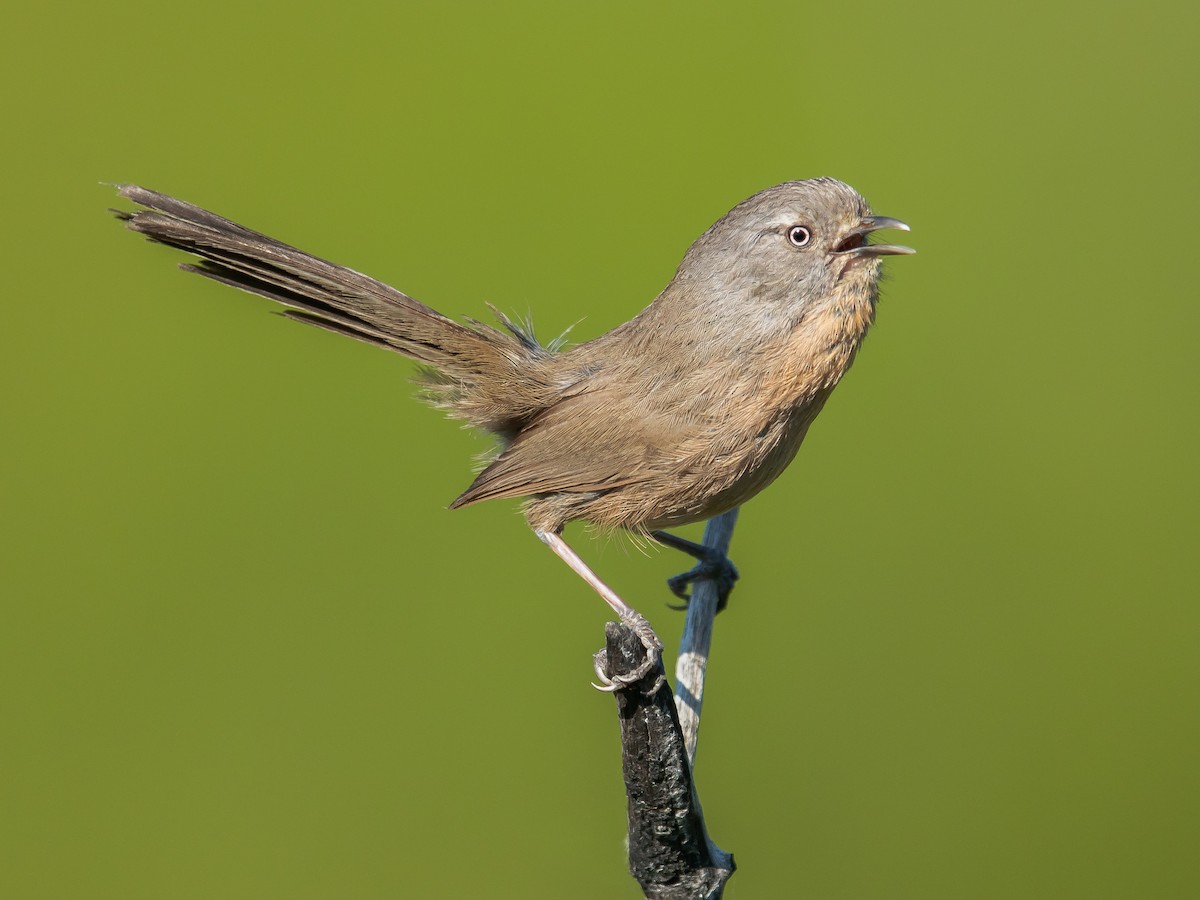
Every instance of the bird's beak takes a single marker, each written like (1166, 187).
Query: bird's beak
(854, 242)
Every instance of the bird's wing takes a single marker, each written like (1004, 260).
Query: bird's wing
(571, 448)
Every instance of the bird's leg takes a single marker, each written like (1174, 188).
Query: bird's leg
(711, 564)
(626, 613)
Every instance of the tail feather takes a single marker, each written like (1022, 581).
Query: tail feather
(475, 364)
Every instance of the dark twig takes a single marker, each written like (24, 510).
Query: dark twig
(670, 853)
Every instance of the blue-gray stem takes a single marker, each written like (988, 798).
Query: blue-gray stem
(696, 641)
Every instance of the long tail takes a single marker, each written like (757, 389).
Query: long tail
(494, 380)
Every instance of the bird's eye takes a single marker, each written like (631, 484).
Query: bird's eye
(799, 236)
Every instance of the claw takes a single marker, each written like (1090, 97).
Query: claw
(599, 661)
(620, 682)
(711, 565)
(653, 647)
(716, 567)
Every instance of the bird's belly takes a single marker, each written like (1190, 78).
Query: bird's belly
(738, 470)
(712, 493)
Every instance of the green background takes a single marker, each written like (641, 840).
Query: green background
(247, 653)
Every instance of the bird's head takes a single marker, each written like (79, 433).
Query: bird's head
(790, 246)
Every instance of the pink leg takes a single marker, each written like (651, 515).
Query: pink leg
(626, 613)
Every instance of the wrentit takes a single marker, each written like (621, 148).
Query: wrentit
(687, 410)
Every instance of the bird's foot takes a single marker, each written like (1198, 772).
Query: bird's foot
(711, 565)
(654, 647)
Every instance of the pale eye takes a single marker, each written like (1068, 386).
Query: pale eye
(799, 236)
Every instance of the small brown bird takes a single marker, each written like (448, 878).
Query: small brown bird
(684, 412)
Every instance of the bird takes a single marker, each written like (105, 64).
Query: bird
(686, 411)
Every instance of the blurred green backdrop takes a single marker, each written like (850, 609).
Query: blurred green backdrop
(247, 653)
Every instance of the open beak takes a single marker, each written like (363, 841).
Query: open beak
(855, 241)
